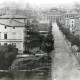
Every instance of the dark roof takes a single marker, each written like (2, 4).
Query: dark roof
(11, 22)
(13, 17)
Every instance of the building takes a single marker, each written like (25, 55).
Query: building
(51, 15)
(72, 24)
(77, 25)
(70, 15)
(66, 22)
(72, 21)
(69, 20)
(12, 31)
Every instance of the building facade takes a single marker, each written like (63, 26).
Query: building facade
(51, 15)
(69, 19)
(12, 35)
(72, 25)
(77, 25)
(12, 31)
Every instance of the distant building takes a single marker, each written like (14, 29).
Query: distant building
(69, 19)
(72, 24)
(72, 21)
(66, 22)
(52, 14)
(77, 25)
(70, 14)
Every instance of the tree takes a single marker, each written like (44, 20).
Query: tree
(74, 39)
(48, 44)
(7, 55)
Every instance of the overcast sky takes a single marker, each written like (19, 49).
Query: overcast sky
(44, 1)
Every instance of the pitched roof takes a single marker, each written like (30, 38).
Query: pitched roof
(10, 22)
(8, 16)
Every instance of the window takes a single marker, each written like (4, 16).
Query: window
(13, 27)
(5, 36)
(5, 27)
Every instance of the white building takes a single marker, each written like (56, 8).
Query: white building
(72, 24)
(77, 25)
(12, 31)
(69, 19)
(66, 22)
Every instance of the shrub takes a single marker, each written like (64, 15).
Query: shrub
(7, 55)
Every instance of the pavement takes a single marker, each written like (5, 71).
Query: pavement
(65, 65)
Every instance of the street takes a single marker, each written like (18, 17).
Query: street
(65, 65)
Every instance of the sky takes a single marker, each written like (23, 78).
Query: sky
(43, 3)
(53, 1)
(38, 2)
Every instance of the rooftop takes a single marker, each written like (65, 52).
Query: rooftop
(8, 16)
(11, 22)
